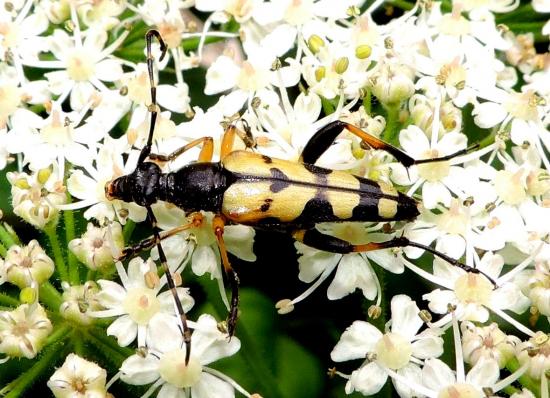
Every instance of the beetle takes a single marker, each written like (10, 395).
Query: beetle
(248, 188)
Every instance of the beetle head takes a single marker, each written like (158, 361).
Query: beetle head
(141, 186)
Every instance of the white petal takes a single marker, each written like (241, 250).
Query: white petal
(138, 370)
(124, 329)
(434, 193)
(436, 374)
(488, 114)
(353, 272)
(210, 386)
(485, 373)
(412, 372)
(221, 76)
(368, 380)
(163, 333)
(414, 141)
(210, 343)
(239, 240)
(404, 315)
(427, 345)
(169, 391)
(358, 339)
(204, 260)
(108, 70)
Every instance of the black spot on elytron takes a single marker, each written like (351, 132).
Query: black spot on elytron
(316, 169)
(267, 159)
(266, 205)
(280, 180)
(317, 209)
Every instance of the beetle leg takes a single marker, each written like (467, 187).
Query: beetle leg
(318, 240)
(218, 223)
(186, 332)
(205, 155)
(228, 140)
(148, 243)
(326, 135)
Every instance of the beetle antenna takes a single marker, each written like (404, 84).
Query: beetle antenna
(153, 107)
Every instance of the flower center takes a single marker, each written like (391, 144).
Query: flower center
(453, 221)
(393, 351)
(10, 34)
(459, 390)
(473, 288)
(56, 133)
(141, 304)
(434, 172)
(80, 66)
(509, 186)
(523, 105)
(172, 368)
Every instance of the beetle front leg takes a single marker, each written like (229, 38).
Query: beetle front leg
(205, 155)
(218, 223)
(326, 135)
(149, 243)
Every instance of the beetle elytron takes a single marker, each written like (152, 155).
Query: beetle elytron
(256, 190)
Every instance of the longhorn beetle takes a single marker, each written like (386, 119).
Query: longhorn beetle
(256, 190)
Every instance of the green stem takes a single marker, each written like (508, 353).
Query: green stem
(68, 219)
(59, 333)
(328, 106)
(6, 237)
(45, 363)
(60, 265)
(8, 301)
(108, 346)
(526, 381)
(50, 296)
(3, 251)
(392, 124)
(367, 102)
(127, 230)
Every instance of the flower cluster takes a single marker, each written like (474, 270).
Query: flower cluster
(432, 78)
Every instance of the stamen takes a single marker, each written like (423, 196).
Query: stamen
(227, 379)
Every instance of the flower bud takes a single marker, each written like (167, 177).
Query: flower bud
(97, 245)
(78, 300)
(27, 264)
(78, 377)
(23, 331)
(392, 85)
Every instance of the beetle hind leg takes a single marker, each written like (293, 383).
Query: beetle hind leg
(326, 135)
(320, 241)
(218, 224)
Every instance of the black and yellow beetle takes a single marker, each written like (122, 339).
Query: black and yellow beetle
(256, 190)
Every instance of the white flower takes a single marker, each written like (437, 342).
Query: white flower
(78, 378)
(439, 179)
(88, 185)
(164, 365)
(94, 247)
(487, 342)
(472, 295)
(27, 265)
(398, 351)
(442, 381)
(136, 301)
(24, 330)
(535, 354)
(78, 301)
(85, 64)
(35, 198)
